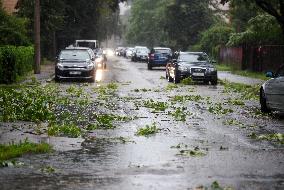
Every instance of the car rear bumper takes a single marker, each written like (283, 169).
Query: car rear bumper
(158, 63)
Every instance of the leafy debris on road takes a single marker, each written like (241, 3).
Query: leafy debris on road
(148, 130)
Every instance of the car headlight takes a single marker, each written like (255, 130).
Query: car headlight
(90, 66)
(182, 68)
(212, 69)
(59, 66)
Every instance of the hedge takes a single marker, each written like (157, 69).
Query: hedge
(15, 62)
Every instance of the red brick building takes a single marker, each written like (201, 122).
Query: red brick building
(9, 5)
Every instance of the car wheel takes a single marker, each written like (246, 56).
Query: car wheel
(149, 66)
(176, 78)
(57, 79)
(263, 105)
(214, 82)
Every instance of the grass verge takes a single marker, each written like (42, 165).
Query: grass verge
(12, 150)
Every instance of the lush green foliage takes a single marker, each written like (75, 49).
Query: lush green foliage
(148, 130)
(211, 39)
(147, 22)
(185, 20)
(63, 21)
(13, 30)
(262, 29)
(15, 62)
(16, 150)
(176, 24)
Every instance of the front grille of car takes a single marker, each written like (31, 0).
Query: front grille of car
(75, 67)
(198, 70)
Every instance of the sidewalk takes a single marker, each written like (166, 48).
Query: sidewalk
(227, 75)
(47, 73)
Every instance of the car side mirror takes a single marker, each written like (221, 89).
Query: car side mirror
(174, 60)
(213, 61)
(269, 74)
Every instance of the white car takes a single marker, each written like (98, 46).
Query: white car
(272, 92)
(140, 53)
(129, 52)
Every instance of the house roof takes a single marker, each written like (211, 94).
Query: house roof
(9, 5)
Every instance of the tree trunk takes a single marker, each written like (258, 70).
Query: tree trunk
(37, 37)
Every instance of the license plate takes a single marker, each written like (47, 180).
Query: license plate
(74, 72)
(198, 74)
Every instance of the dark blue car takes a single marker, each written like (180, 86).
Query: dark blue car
(159, 57)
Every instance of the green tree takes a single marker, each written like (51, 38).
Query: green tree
(63, 21)
(273, 7)
(262, 29)
(13, 30)
(147, 23)
(186, 19)
(213, 38)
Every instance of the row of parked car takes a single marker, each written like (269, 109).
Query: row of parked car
(199, 67)
(179, 65)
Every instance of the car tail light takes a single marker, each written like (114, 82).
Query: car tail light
(152, 56)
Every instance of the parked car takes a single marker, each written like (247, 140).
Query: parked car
(140, 53)
(118, 51)
(76, 63)
(271, 94)
(129, 52)
(195, 65)
(101, 60)
(159, 57)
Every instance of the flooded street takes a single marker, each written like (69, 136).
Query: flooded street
(201, 136)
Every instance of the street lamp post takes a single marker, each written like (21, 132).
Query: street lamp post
(37, 37)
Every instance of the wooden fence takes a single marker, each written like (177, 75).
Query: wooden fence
(253, 58)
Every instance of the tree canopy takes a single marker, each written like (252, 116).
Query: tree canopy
(63, 21)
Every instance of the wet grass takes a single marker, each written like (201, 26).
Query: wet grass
(157, 106)
(106, 121)
(180, 114)
(214, 186)
(218, 109)
(69, 130)
(248, 92)
(233, 122)
(245, 73)
(171, 87)
(148, 130)
(235, 102)
(37, 103)
(194, 98)
(187, 81)
(47, 169)
(13, 150)
(274, 137)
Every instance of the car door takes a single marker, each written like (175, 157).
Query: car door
(275, 91)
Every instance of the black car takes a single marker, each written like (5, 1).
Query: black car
(76, 63)
(195, 65)
(159, 57)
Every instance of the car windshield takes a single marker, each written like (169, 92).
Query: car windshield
(74, 55)
(142, 50)
(193, 57)
(168, 51)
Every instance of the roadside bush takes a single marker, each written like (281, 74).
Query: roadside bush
(15, 62)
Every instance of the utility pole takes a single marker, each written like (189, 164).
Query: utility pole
(37, 37)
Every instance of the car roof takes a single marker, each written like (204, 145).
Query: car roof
(78, 48)
(192, 52)
(86, 40)
(161, 48)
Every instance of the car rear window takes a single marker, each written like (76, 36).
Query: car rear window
(168, 51)
(74, 55)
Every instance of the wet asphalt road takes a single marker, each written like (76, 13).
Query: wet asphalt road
(155, 162)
